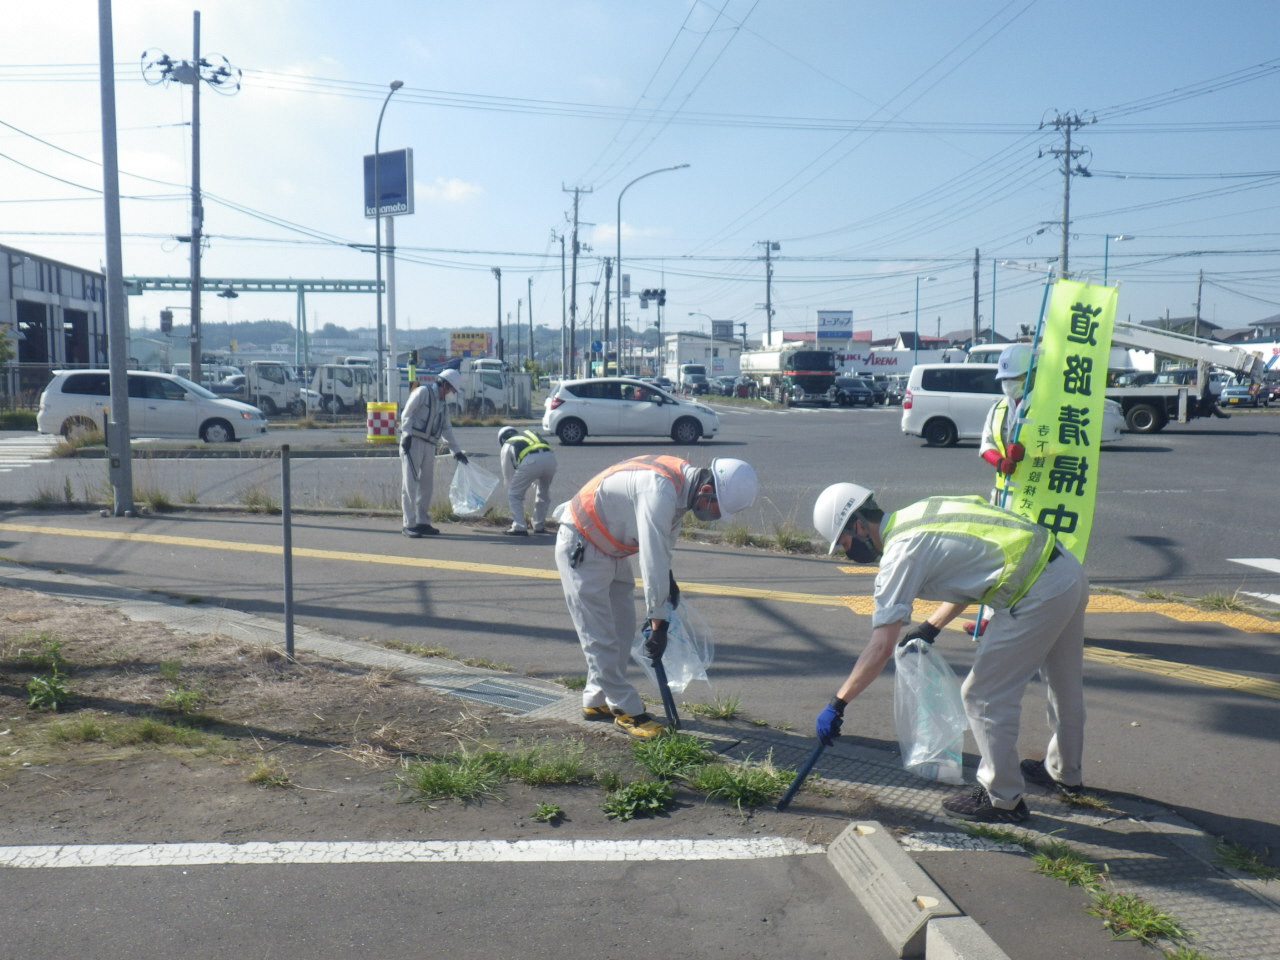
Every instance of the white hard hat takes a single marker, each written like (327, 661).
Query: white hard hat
(505, 434)
(1015, 361)
(736, 485)
(834, 507)
(453, 378)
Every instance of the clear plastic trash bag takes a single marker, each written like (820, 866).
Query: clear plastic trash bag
(470, 490)
(929, 713)
(690, 649)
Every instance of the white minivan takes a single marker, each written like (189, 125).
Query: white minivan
(160, 405)
(948, 402)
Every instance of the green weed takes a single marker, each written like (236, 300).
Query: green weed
(646, 798)
(257, 500)
(545, 764)
(548, 813)
(1222, 602)
(1057, 859)
(1237, 857)
(154, 498)
(464, 777)
(722, 708)
(269, 775)
(744, 785)
(673, 756)
(184, 700)
(986, 831)
(1129, 915)
(572, 683)
(47, 657)
(48, 692)
(790, 539)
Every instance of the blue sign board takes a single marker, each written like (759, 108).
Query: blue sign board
(395, 183)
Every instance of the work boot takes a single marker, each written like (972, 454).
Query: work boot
(597, 713)
(1034, 771)
(427, 530)
(975, 805)
(641, 726)
(514, 531)
(539, 528)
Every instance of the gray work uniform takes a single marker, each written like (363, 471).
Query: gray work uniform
(426, 420)
(521, 470)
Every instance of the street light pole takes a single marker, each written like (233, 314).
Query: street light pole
(678, 166)
(1106, 252)
(915, 341)
(377, 242)
(497, 275)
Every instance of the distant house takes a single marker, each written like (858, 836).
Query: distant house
(1268, 329)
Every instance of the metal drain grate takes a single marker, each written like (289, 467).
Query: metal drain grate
(509, 696)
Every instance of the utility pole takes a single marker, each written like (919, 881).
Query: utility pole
(223, 79)
(608, 278)
(1067, 123)
(1199, 288)
(769, 247)
(573, 282)
(976, 317)
(529, 289)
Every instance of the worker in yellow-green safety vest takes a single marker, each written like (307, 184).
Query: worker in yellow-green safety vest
(998, 447)
(962, 550)
(526, 460)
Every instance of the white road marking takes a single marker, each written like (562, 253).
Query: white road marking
(1269, 564)
(396, 851)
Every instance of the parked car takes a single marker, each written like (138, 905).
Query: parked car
(160, 405)
(948, 402)
(895, 387)
(852, 392)
(1243, 393)
(622, 407)
(723, 386)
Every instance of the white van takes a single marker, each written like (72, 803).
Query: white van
(160, 405)
(948, 402)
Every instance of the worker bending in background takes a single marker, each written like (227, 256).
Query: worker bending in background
(527, 460)
(635, 507)
(962, 550)
(423, 424)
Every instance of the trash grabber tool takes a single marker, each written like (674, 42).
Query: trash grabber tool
(668, 701)
(803, 775)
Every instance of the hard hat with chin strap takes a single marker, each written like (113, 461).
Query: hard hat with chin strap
(505, 434)
(1015, 361)
(453, 378)
(836, 505)
(736, 485)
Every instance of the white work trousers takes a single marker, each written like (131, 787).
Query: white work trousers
(417, 481)
(600, 595)
(1043, 631)
(537, 468)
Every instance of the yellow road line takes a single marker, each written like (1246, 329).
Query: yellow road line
(860, 605)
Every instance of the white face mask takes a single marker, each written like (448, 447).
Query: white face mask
(1012, 388)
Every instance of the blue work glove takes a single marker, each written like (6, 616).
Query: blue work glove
(830, 721)
(460, 457)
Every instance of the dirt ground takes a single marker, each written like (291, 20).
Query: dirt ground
(285, 751)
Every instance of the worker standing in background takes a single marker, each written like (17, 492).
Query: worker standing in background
(634, 508)
(963, 550)
(526, 460)
(423, 424)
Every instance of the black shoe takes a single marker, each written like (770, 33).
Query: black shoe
(1036, 772)
(516, 532)
(976, 805)
(427, 529)
(412, 532)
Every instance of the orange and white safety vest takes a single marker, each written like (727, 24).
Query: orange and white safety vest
(582, 508)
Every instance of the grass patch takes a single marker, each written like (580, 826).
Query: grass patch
(548, 813)
(987, 831)
(484, 664)
(572, 683)
(646, 798)
(546, 764)
(463, 777)
(1127, 915)
(672, 757)
(269, 775)
(154, 498)
(184, 700)
(46, 656)
(1240, 858)
(721, 708)
(790, 539)
(131, 731)
(48, 692)
(746, 785)
(17, 420)
(1057, 859)
(1221, 602)
(257, 500)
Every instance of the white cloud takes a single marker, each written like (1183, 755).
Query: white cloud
(448, 190)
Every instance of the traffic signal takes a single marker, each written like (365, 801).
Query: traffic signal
(652, 293)
(166, 321)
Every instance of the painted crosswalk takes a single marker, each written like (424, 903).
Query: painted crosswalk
(25, 451)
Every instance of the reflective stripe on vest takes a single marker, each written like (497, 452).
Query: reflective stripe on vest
(1026, 546)
(583, 506)
(526, 443)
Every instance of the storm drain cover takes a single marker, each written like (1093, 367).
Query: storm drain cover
(509, 696)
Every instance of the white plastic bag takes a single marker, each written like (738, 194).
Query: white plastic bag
(690, 649)
(470, 490)
(929, 713)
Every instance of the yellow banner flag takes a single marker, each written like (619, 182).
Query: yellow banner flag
(1058, 482)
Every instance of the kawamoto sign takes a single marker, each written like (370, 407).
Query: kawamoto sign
(395, 182)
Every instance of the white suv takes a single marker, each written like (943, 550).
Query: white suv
(160, 405)
(621, 407)
(948, 402)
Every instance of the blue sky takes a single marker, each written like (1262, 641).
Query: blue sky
(876, 143)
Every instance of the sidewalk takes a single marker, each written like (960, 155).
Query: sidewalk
(1147, 849)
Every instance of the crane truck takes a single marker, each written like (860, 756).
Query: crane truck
(1149, 407)
(791, 374)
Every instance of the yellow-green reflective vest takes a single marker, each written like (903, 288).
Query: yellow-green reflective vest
(527, 442)
(997, 428)
(1026, 546)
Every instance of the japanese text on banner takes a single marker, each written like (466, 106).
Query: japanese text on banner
(1058, 482)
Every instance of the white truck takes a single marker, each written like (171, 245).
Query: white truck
(344, 386)
(269, 385)
(791, 374)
